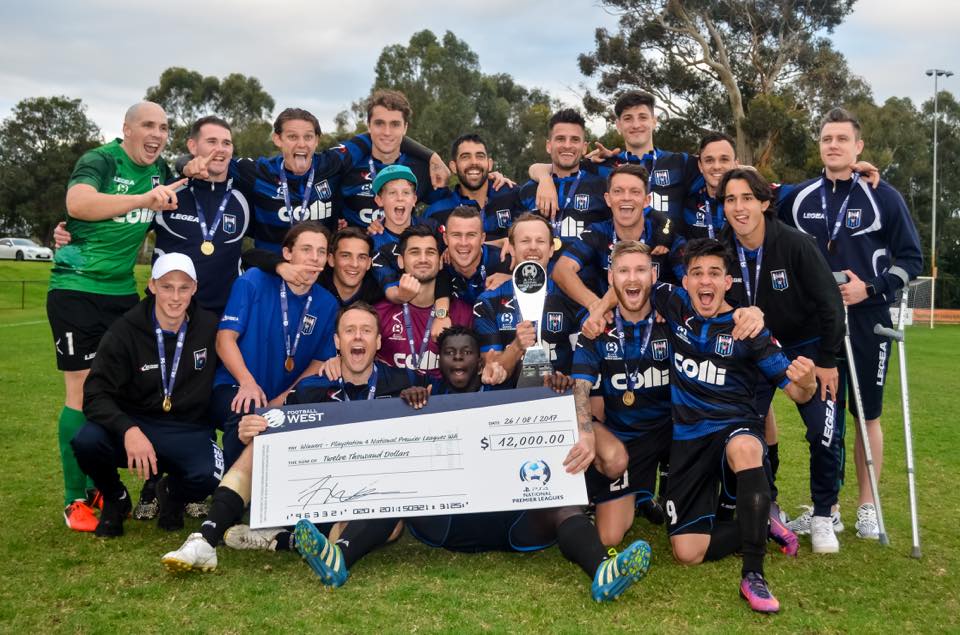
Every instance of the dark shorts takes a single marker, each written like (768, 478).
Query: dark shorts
(493, 531)
(696, 475)
(78, 320)
(640, 479)
(871, 353)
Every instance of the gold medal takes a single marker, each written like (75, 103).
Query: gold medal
(557, 244)
(288, 364)
(628, 398)
(167, 404)
(206, 248)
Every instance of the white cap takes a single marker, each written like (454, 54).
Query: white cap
(173, 262)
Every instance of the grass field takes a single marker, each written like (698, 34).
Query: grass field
(56, 580)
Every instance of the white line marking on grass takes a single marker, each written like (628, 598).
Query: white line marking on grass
(23, 323)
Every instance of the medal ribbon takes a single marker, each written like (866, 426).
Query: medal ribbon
(208, 235)
(623, 347)
(284, 311)
(558, 219)
(305, 199)
(745, 272)
(842, 214)
(167, 382)
(371, 385)
(407, 322)
(706, 203)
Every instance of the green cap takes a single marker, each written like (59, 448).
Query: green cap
(392, 173)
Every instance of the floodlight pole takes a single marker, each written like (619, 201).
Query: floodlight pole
(935, 73)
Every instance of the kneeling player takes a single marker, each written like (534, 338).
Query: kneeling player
(716, 422)
(357, 339)
(529, 530)
(631, 360)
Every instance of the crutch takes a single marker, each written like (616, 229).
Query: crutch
(897, 334)
(842, 278)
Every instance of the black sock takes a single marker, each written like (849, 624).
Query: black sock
(773, 456)
(580, 543)
(724, 540)
(363, 536)
(226, 509)
(753, 515)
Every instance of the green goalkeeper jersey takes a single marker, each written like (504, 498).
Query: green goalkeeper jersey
(101, 254)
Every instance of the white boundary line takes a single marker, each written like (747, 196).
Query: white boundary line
(22, 323)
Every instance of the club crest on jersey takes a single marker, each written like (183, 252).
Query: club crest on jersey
(778, 279)
(554, 322)
(854, 217)
(155, 180)
(611, 350)
(309, 322)
(503, 218)
(323, 189)
(658, 348)
(581, 202)
(724, 346)
(661, 177)
(199, 359)
(229, 224)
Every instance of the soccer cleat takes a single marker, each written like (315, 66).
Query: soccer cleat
(169, 508)
(195, 554)
(617, 573)
(95, 499)
(111, 518)
(242, 537)
(753, 589)
(867, 522)
(781, 534)
(801, 524)
(147, 506)
(324, 557)
(79, 516)
(197, 510)
(822, 535)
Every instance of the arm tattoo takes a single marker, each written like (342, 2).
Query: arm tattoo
(581, 396)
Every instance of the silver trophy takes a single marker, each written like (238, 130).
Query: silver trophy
(530, 289)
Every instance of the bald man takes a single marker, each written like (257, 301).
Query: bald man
(112, 196)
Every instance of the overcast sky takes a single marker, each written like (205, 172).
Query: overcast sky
(319, 56)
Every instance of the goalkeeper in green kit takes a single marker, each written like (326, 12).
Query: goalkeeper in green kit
(112, 196)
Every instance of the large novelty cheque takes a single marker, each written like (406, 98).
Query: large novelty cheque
(467, 453)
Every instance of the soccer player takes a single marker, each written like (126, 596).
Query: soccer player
(629, 364)
(783, 273)
(357, 339)
(703, 211)
(671, 173)
(473, 265)
(298, 184)
(581, 271)
(112, 196)
(271, 334)
(716, 421)
(580, 191)
(528, 530)
(347, 274)
(146, 397)
(388, 117)
(867, 234)
(406, 327)
(473, 166)
(504, 335)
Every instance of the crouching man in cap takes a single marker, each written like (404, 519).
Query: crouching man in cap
(146, 397)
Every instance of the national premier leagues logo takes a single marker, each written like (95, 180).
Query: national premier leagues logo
(535, 472)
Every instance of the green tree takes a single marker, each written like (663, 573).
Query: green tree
(39, 144)
(450, 96)
(187, 95)
(753, 68)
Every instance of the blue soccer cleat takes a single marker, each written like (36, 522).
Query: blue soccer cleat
(617, 573)
(324, 557)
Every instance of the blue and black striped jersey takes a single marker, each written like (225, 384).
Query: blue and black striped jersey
(579, 197)
(319, 389)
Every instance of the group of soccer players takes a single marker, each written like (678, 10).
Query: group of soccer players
(683, 290)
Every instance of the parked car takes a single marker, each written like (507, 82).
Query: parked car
(23, 249)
